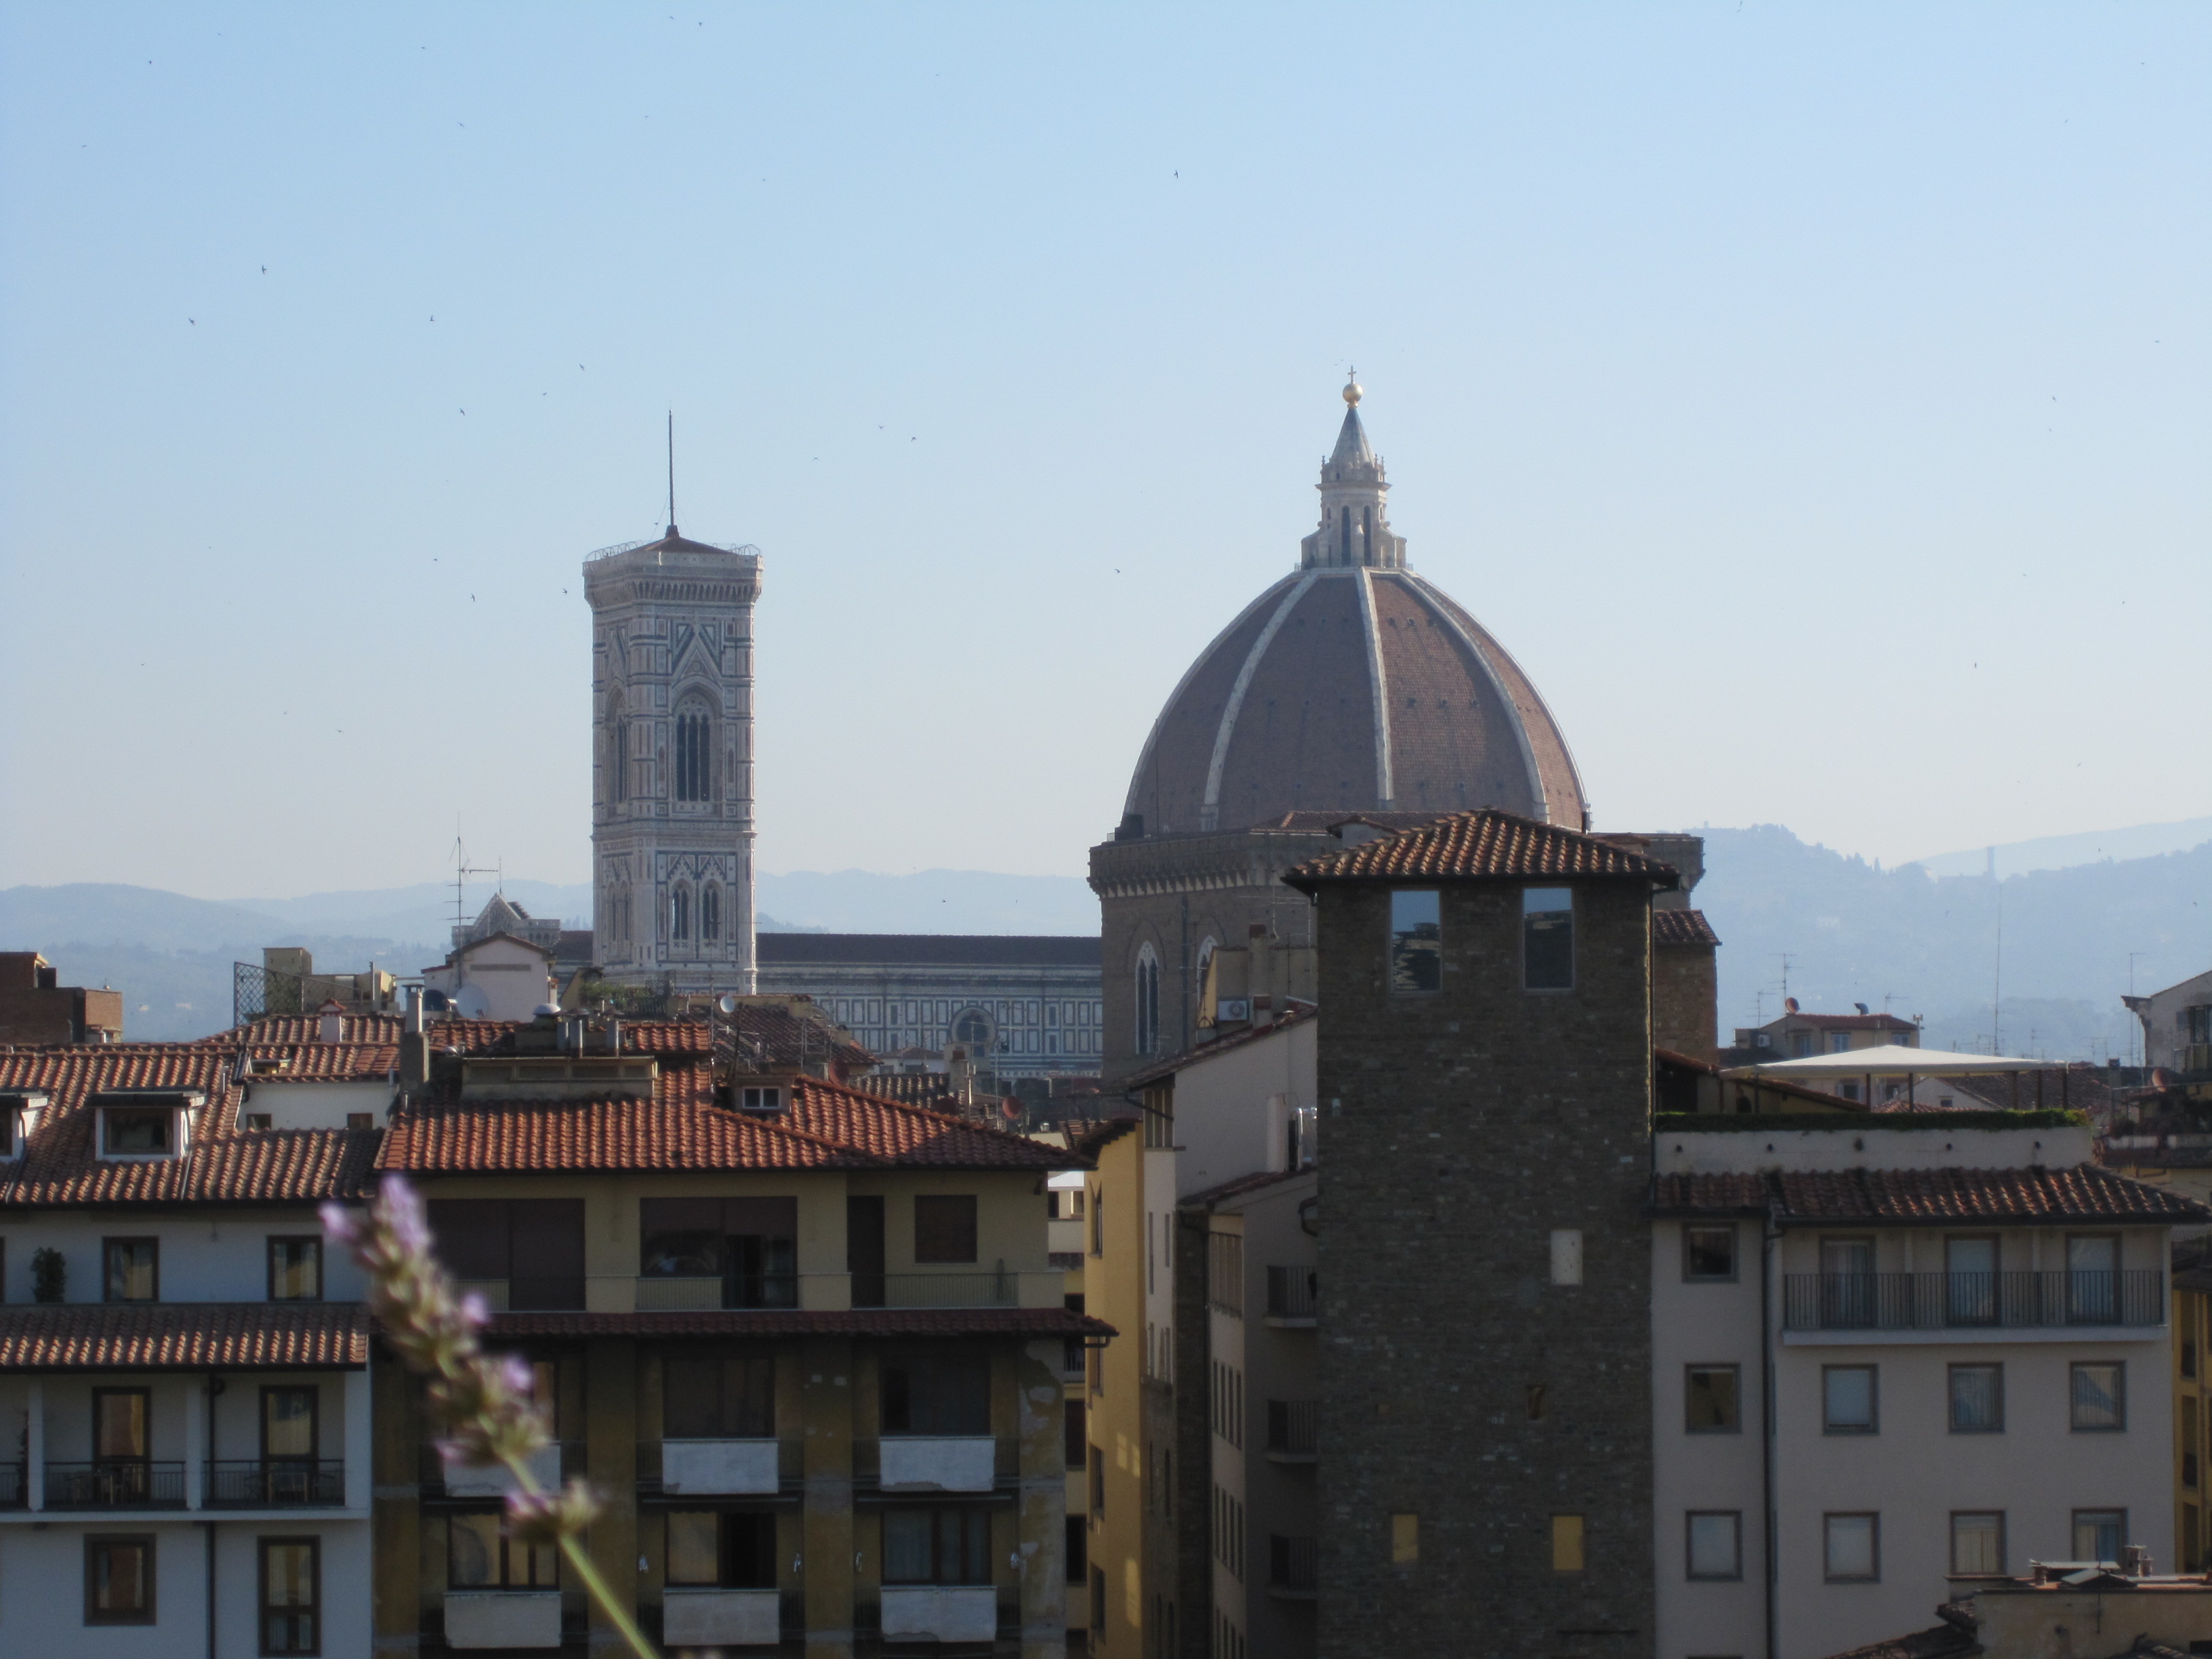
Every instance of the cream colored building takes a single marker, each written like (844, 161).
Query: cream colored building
(1908, 1355)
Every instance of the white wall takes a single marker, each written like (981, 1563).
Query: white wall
(218, 1256)
(42, 1588)
(1855, 1146)
(1231, 1107)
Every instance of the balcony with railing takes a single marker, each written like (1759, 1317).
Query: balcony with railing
(276, 1483)
(15, 1491)
(1293, 1568)
(1293, 1296)
(1293, 1428)
(1971, 1300)
(115, 1484)
(666, 1293)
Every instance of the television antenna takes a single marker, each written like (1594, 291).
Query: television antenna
(462, 871)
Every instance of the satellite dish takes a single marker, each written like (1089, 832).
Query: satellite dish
(469, 1002)
(728, 1004)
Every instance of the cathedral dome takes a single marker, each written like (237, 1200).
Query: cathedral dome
(1351, 685)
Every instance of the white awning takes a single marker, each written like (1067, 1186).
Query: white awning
(1890, 1060)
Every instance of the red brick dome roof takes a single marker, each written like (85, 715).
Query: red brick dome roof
(1352, 685)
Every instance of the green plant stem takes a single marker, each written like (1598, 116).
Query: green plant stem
(596, 1586)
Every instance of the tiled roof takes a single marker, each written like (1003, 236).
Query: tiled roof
(2079, 1086)
(152, 1336)
(1682, 927)
(966, 950)
(1927, 1197)
(1297, 1014)
(681, 1127)
(1243, 1185)
(860, 1322)
(224, 1163)
(1942, 1642)
(1477, 846)
(324, 1062)
(1850, 1021)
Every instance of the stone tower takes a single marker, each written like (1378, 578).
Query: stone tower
(672, 762)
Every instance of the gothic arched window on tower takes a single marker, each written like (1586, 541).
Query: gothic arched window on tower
(710, 912)
(694, 768)
(622, 755)
(679, 913)
(1148, 1002)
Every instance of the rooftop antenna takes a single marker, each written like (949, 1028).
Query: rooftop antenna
(462, 871)
(671, 472)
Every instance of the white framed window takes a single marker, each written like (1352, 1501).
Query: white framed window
(1851, 1548)
(1714, 1543)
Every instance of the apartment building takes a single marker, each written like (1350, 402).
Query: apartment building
(1797, 1035)
(2192, 1403)
(1894, 1356)
(806, 1343)
(185, 1381)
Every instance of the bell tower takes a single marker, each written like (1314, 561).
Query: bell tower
(672, 762)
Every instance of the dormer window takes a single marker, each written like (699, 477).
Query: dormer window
(139, 1131)
(18, 1116)
(158, 1126)
(761, 1098)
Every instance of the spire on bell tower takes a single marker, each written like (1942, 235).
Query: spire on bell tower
(1355, 529)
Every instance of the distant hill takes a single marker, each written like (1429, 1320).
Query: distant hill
(1916, 945)
(171, 956)
(1853, 931)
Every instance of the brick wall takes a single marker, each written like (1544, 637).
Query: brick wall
(1685, 999)
(1458, 1131)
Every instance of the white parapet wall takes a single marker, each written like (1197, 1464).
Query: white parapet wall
(718, 1466)
(941, 1462)
(924, 1612)
(725, 1618)
(503, 1619)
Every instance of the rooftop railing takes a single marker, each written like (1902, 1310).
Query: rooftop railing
(1928, 1302)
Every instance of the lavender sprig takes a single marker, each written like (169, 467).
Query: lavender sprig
(482, 1402)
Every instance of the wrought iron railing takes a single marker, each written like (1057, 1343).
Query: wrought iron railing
(13, 1489)
(663, 1294)
(1293, 1293)
(115, 1484)
(978, 1290)
(1293, 1427)
(276, 1483)
(1907, 1302)
(1293, 1563)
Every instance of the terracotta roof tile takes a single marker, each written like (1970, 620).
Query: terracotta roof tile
(151, 1336)
(681, 1127)
(224, 1165)
(1928, 1197)
(1682, 927)
(860, 1322)
(1244, 1184)
(1477, 846)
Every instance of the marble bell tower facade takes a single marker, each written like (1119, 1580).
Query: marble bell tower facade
(672, 762)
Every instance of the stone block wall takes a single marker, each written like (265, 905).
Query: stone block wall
(1459, 1384)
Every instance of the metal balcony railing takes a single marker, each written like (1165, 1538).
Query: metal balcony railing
(13, 1491)
(976, 1290)
(1293, 1293)
(115, 1484)
(276, 1483)
(664, 1293)
(1293, 1565)
(1293, 1428)
(1927, 1302)
(536, 1295)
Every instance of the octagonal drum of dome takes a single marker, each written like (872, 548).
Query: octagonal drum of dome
(1351, 685)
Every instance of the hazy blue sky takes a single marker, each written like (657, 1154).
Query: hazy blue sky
(1812, 398)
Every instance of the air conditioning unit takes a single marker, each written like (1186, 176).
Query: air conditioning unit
(1763, 1040)
(1232, 1009)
